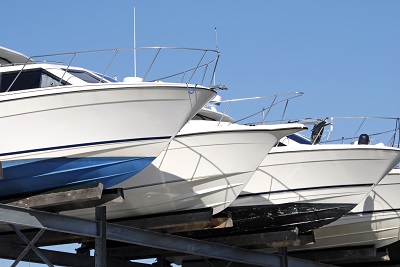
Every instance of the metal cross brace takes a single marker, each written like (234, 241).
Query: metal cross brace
(30, 245)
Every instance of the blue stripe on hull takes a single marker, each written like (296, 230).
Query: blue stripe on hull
(31, 176)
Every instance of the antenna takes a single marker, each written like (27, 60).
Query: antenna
(216, 38)
(134, 39)
(216, 45)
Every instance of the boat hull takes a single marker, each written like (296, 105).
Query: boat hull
(70, 135)
(318, 174)
(375, 221)
(206, 166)
(303, 217)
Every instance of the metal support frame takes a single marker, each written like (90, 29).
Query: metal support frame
(76, 226)
(284, 257)
(101, 241)
(30, 246)
(10, 251)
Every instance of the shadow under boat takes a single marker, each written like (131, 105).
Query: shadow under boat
(282, 217)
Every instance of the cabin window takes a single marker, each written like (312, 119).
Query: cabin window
(299, 139)
(85, 76)
(28, 79)
(105, 77)
(202, 117)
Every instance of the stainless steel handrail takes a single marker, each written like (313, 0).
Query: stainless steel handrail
(395, 132)
(265, 110)
(392, 134)
(200, 63)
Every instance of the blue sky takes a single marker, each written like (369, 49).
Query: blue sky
(343, 54)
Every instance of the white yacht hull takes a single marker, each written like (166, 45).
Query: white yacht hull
(61, 136)
(318, 174)
(206, 165)
(374, 221)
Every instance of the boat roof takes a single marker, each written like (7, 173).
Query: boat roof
(8, 56)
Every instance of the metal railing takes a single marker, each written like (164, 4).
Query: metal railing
(388, 131)
(327, 130)
(346, 130)
(205, 63)
(262, 112)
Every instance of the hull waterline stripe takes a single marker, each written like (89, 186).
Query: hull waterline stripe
(85, 144)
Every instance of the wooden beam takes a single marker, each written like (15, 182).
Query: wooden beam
(59, 198)
(71, 199)
(109, 197)
(273, 239)
(300, 240)
(214, 223)
(175, 219)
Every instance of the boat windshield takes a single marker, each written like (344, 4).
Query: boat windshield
(28, 79)
(105, 77)
(85, 76)
(299, 139)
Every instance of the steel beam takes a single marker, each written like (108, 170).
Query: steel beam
(55, 222)
(9, 251)
(219, 263)
(101, 241)
(49, 221)
(30, 246)
(199, 247)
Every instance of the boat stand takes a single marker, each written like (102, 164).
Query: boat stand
(60, 229)
(284, 257)
(101, 241)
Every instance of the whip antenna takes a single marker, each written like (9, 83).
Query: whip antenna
(216, 38)
(216, 45)
(134, 39)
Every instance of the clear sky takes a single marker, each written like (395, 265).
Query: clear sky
(343, 54)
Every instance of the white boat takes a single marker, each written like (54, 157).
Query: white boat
(374, 221)
(206, 165)
(324, 175)
(66, 126)
(306, 186)
(318, 174)
(297, 180)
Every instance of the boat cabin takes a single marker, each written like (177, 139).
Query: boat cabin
(18, 72)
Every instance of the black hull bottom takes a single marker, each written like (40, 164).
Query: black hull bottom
(267, 218)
